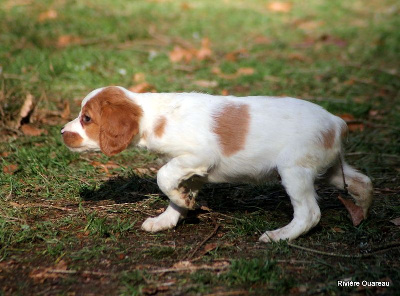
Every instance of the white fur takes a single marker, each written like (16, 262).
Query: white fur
(284, 136)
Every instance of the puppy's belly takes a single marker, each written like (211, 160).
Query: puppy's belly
(219, 175)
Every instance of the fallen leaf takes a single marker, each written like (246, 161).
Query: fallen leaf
(239, 72)
(309, 25)
(10, 169)
(67, 111)
(47, 15)
(262, 40)
(298, 57)
(352, 124)
(30, 130)
(27, 106)
(142, 88)
(4, 154)
(234, 55)
(143, 171)
(181, 54)
(105, 167)
(356, 212)
(209, 247)
(206, 83)
(25, 111)
(337, 229)
(188, 53)
(139, 77)
(205, 51)
(278, 6)
(225, 92)
(346, 116)
(396, 221)
(66, 40)
(185, 6)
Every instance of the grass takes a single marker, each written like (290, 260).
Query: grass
(61, 206)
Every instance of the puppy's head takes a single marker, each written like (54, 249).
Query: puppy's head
(108, 121)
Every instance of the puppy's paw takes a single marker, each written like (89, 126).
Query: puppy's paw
(270, 236)
(157, 224)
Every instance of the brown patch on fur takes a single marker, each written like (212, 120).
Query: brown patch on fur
(114, 120)
(71, 139)
(344, 131)
(159, 127)
(328, 138)
(231, 126)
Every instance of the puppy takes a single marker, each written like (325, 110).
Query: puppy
(223, 139)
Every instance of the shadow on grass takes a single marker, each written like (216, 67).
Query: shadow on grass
(222, 198)
(129, 189)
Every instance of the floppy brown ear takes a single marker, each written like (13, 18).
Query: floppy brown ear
(119, 124)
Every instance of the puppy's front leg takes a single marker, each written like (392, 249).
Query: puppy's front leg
(173, 180)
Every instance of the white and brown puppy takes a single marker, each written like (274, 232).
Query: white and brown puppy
(222, 139)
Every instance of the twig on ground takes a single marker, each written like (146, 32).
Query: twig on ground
(379, 249)
(229, 293)
(190, 268)
(203, 242)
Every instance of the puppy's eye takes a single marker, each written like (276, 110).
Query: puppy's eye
(86, 119)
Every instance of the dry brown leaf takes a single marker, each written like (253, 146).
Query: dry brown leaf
(234, 55)
(262, 40)
(205, 51)
(309, 25)
(27, 106)
(142, 88)
(105, 167)
(50, 14)
(352, 126)
(185, 6)
(206, 83)
(143, 171)
(5, 154)
(225, 92)
(209, 247)
(298, 57)
(278, 6)
(139, 77)
(245, 71)
(356, 212)
(396, 221)
(180, 53)
(239, 72)
(67, 111)
(346, 116)
(66, 40)
(25, 110)
(29, 130)
(10, 169)
(337, 229)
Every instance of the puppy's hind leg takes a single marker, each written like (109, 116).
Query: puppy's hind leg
(299, 184)
(359, 185)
